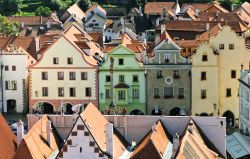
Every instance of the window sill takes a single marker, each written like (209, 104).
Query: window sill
(203, 97)
(157, 97)
(168, 97)
(181, 97)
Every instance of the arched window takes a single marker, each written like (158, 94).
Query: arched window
(204, 56)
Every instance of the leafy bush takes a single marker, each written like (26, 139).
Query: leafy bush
(43, 11)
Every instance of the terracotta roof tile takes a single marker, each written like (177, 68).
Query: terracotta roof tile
(29, 20)
(97, 38)
(75, 9)
(157, 7)
(210, 33)
(7, 140)
(94, 6)
(199, 6)
(192, 145)
(35, 144)
(153, 145)
(92, 117)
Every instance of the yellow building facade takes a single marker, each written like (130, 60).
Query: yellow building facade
(215, 73)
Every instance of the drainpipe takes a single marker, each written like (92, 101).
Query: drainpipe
(2, 85)
(111, 81)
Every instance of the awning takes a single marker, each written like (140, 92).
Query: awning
(238, 145)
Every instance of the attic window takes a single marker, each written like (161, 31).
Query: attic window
(97, 54)
(204, 57)
(74, 133)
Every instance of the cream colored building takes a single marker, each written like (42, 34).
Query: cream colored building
(215, 73)
(66, 74)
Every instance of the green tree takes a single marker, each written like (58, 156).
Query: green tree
(9, 7)
(43, 11)
(7, 28)
(85, 4)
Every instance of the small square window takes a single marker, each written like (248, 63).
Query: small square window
(60, 76)
(135, 78)
(13, 68)
(6, 68)
(228, 92)
(84, 75)
(233, 73)
(107, 78)
(61, 92)
(159, 74)
(72, 76)
(204, 57)
(55, 60)
(203, 94)
(70, 60)
(44, 75)
(203, 76)
(45, 91)
(121, 78)
(221, 46)
(121, 62)
(88, 92)
(231, 46)
(72, 92)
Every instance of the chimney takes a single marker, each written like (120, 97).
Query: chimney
(37, 41)
(164, 11)
(48, 25)
(197, 12)
(217, 13)
(20, 131)
(22, 25)
(190, 127)
(157, 22)
(49, 131)
(163, 28)
(207, 26)
(176, 144)
(132, 19)
(109, 139)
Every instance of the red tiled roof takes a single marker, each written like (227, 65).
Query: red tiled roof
(94, 6)
(92, 117)
(7, 140)
(199, 6)
(27, 43)
(97, 38)
(210, 33)
(35, 144)
(29, 20)
(193, 145)
(153, 145)
(157, 7)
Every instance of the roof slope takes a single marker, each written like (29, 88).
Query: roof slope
(92, 117)
(157, 7)
(7, 140)
(192, 145)
(154, 144)
(75, 9)
(35, 144)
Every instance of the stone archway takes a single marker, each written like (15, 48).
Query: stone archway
(136, 112)
(68, 108)
(11, 105)
(43, 108)
(175, 111)
(229, 118)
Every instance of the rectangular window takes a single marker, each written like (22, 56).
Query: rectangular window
(231, 46)
(72, 76)
(247, 96)
(45, 92)
(13, 68)
(13, 85)
(61, 92)
(176, 74)
(55, 60)
(121, 94)
(181, 93)
(70, 60)
(167, 58)
(84, 75)
(107, 78)
(60, 75)
(228, 94)
(135, 93)
(135, 78)
(159, 74)
(203, 94)
(6, 68)
(121, 78)
(233, 73)
(168, 92)
(204, 57)
(44, 75)
(72, 92)
(7, 85)
(121, 62)
(107, 93)
(246, 113)
(203, 76)
(156, 93)
(88, 92)
(221, 46)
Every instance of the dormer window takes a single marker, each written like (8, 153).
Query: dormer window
(221, 46)
(121, 61)
(167, 58)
